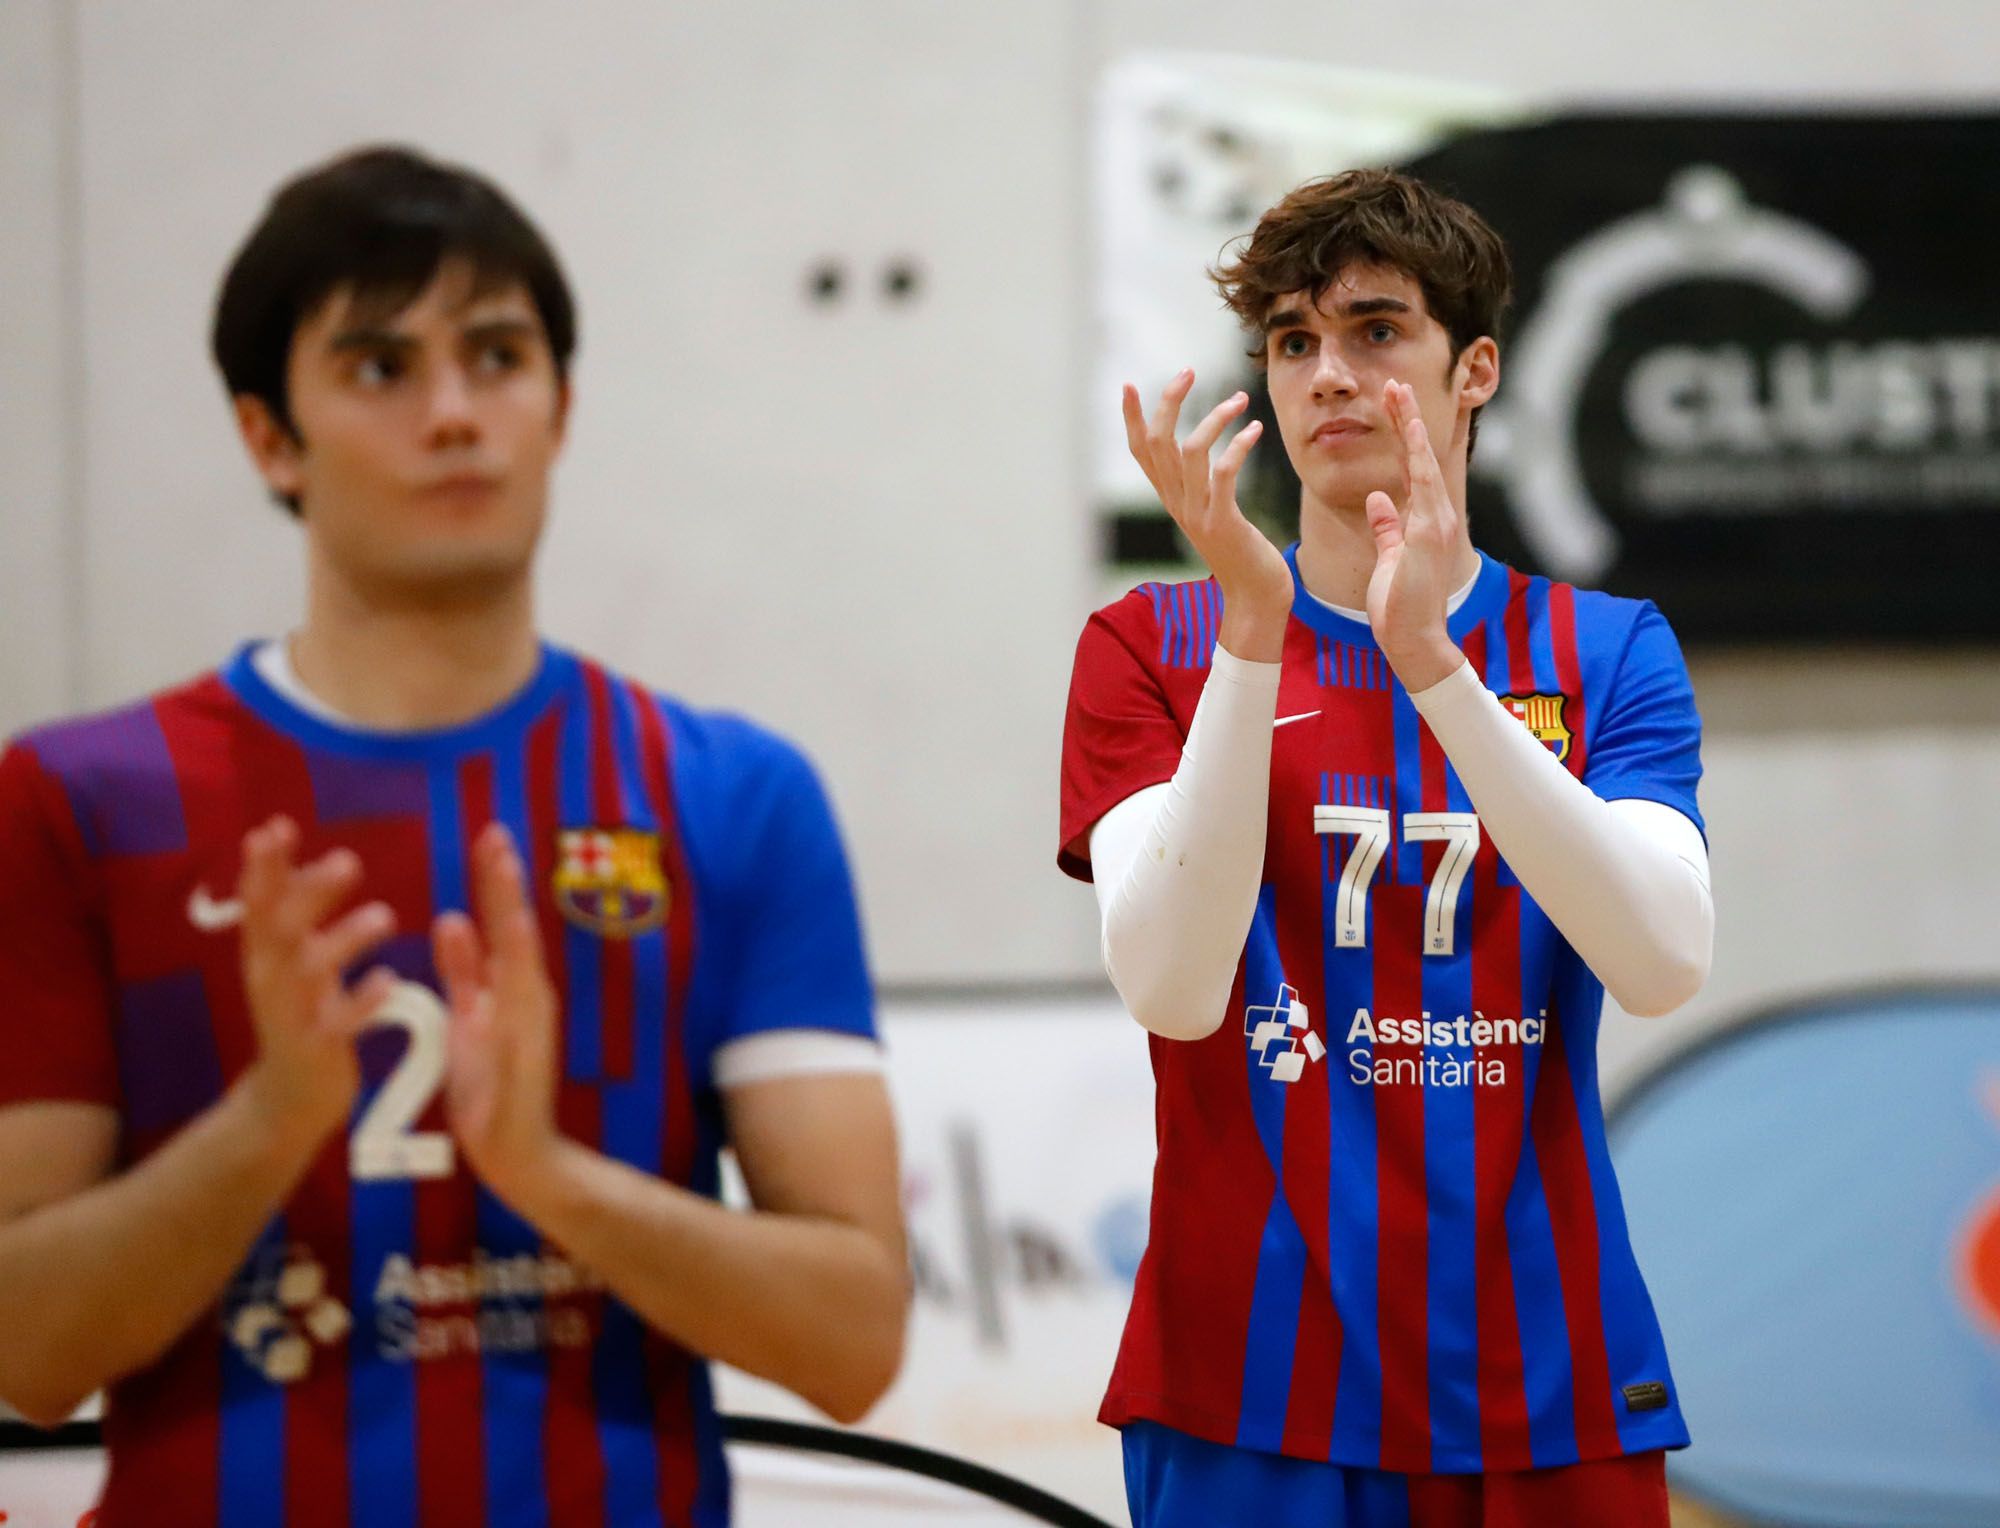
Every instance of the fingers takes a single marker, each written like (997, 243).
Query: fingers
(1204, 435)
(1231, 461)
(1383, 521)
(354, 1010)
(1167, 417)
(505, 916)
(461, 962)
(267, 855)
(343, 943)
(1197, 484)
(314, 892)
(1135, 424)
(1429, 501)
(1152, 443)
(283, 903)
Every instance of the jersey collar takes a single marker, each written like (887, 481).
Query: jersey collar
(1489, 593)
(503, 722)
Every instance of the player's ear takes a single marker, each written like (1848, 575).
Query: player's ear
(563, 396)
(274, 448)
(1477, 373)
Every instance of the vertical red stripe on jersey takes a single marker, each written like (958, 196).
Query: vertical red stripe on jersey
(1573, 1220)
(669, 1369)
(573, 1453)
(544, 807)
(1499, 1122)
(1293, 859)
(572, 1448)
(1520, 660)
(608, 810)
(656, 769)
(1562, 637)
(451, 1477)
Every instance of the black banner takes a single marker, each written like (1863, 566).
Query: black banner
(1753, 367)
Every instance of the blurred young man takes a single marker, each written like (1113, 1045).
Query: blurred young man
(1374, 822)
(437, 1243)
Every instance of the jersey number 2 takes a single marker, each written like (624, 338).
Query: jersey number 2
(385, 1142)
(1458, 831)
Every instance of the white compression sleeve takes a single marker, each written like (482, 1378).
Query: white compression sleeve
(1626, 882)
(1177, 865)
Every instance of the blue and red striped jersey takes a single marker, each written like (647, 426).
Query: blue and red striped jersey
(399, 1348)
(1385, 1229)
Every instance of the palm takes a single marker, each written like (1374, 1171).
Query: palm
(500, 1085)
(1200, 495)
(1415, 553)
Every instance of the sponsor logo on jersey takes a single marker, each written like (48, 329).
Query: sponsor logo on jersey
(280, 1313)
(1543, 716)
(1449, 1049)
(1281, 1037)
(609, 880)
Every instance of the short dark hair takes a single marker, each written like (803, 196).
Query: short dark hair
(1373, 217)
(381, 220)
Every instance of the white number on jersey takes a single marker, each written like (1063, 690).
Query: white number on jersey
(1370, 825)
(1458, 831)
(384, 1144)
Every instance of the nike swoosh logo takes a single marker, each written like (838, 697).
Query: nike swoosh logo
(211, 916)
(1286, 721)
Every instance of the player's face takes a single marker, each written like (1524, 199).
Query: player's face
(1327, 363)
(425, 437)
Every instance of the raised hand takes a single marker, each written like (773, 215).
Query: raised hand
(1256, 583)
(500, 1080)
(1418, 555)
(306, 1018)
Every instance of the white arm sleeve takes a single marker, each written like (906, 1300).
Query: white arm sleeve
(1626, 882)
(1177, 866)
(792, 1053)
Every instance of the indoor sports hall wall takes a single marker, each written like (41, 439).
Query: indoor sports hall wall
(862, 518)
(831, 465)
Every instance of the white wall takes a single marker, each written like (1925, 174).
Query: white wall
(857, 522)
(37, 360)
(867, 523)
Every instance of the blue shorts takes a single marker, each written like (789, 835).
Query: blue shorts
(1174, 1480)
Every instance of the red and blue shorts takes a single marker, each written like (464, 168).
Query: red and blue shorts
(1173, 1480)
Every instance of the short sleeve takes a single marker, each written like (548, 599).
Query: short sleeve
(1119, 734)
(55, 999)
(1648, 737)
(793, 941)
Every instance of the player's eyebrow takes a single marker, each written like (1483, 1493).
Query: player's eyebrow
(368, 337)
(490, 329)
(1368, 307)
(374, 337)
(1360, 307)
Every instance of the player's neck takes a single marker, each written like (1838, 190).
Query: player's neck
(405, 666)
(1337, 552)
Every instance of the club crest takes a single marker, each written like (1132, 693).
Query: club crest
(1543, 716)
(610, 881)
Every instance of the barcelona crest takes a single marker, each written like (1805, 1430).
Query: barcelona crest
(1543, 716)
(609, 880)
